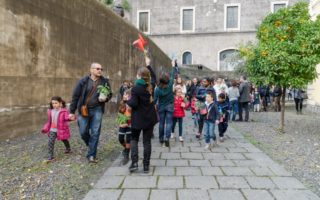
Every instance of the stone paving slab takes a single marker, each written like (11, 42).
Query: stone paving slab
(163, 194)
(170, 182)
(226, 195)
(233, 170)
(257, 195)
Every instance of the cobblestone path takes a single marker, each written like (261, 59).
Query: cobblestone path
(233, 170)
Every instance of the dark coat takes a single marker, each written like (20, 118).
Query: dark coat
(202, 91)
(244, 90)
(80, 93)
(192, 90)
(143, 114)
(212, 115)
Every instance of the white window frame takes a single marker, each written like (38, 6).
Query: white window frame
(184, 53)
(181, 19)
(138, 20)
(219, 52)
(278, 2)
(225, 16)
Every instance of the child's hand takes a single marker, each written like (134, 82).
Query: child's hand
(217, 122)
(72, 117)
(123, 125)
(183, 105)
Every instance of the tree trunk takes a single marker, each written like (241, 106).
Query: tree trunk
(283, 102)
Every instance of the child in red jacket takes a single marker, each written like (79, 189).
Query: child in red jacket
(57, 126)
(179, 105)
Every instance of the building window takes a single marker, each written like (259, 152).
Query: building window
(275, 6)
(229, 60)
(187, 19)
(232, 16)
(187, 58)
(144, 21)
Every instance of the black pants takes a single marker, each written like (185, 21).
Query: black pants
(180, 122)
(147, 134)
(245, 106)
(222, 128)
(201, 122)
(298, 103)
(52, 139)
(124, 139)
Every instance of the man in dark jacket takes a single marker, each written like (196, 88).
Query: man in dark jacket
(277, 92)
(85, 93)
(244, 98)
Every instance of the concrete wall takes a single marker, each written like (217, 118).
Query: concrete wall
(209, 37)
(47, 45)
(313, 89)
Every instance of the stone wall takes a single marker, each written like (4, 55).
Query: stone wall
(209, 37)
(47, 45)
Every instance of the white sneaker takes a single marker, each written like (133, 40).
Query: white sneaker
(207, 147)
(221, 139)
(181, 139)
(172, 135)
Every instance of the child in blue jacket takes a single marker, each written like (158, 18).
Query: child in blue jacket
(223, 115)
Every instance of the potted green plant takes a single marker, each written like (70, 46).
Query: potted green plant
(103, 91)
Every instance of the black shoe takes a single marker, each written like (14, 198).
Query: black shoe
(125, 160)
(125, 154)
(167, 143)
(133, 167)
(146, 169)
(92, 159)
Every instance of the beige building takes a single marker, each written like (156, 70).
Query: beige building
(314, 88)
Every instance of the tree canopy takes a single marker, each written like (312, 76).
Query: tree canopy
(287, 49)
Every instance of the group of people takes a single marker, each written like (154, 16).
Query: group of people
(145, 103)
(270, 97)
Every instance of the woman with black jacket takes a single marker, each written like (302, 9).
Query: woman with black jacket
(143, 116)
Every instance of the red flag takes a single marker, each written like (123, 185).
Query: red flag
(139, 43)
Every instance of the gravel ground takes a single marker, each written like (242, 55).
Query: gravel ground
(298, 149)
(25, 175)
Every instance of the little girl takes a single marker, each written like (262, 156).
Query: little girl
(57, 126)
(178, 112)
(124, 121)
(194, 111)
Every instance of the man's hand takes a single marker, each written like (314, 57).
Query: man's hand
(148, 61)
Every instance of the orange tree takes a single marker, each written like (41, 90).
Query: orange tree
(286, 52)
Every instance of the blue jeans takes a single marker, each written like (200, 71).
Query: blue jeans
(195, 118)
(165, 122)
(234, 109)
(180, 121)
(90, 128)
(208, 130)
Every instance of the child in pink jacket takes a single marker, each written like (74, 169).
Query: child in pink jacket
(57, 126)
